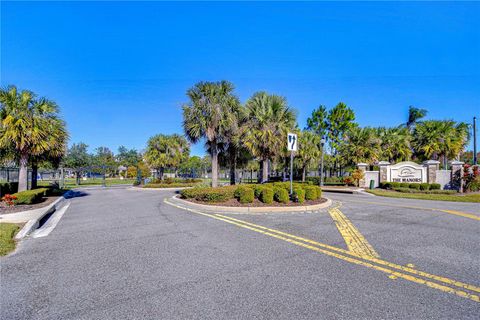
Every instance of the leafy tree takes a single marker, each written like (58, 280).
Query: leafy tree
(128, 157)
(210, 113)
(166, 151)
(308, 150)
(194, 166)
(414, 115)
(77, 159)
(340, 121)
(29, 127)
(317, 122)
(269, 120)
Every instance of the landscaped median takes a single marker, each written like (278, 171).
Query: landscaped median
(268, 197)
(7, 234)
(172, 183)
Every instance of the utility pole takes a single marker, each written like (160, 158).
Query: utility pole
(474, 140)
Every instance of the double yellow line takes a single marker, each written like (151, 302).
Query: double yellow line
(355, 241)
(393, 270)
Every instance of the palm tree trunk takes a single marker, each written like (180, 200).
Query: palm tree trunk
(233, 167)
(162, 171)
(265, 170)
(304, 169)
(214, 151)
(259, 175)
(34, 174)
(23, 173)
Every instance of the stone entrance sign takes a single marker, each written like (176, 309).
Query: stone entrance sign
(407, 172)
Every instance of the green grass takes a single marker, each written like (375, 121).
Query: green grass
(7, 232)
(473, 197)
(71, 183)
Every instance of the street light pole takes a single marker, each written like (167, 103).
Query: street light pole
(322, 142)
(474, 140)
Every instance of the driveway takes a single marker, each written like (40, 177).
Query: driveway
(126, 254)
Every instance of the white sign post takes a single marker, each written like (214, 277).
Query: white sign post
(292, 146)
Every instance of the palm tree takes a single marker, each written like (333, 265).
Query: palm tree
(440, 139)
(29, 126)
(166, 151)
(395, 143)
(361, 145)
(415, 114)
(308, 150)
(210, 114)
(269, 119)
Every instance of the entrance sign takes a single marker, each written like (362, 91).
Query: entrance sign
(407, 172)
(292, 144)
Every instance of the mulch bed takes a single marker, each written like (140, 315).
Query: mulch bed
(258, 203)
(24, 207)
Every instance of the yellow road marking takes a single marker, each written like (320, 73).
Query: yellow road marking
(454, 212)
(355, 241)
(351, 257)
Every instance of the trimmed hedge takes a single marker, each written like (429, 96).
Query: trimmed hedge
(30, 196)
(169, 185)
(219, 194)
(414, 186)
(310, 193)
(435, 191)
(267, 195)
(424, 186)
(8, 188)
(298, 195)
(281, 195)
(244, 194)
(435, 186)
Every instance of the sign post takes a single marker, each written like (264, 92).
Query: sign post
(292, 146)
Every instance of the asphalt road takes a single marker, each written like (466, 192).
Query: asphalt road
(125, 254)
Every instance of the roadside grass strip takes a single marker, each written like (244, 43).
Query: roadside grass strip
(355, 241)
(453, 212)
(393, 270)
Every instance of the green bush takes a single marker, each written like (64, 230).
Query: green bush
(409, 190)
(169, 185)
(435, 186)
(404, 185)
(207, 194)
(267, 195)
(8, 188)
(319, 192)
(30, 196)
(281, 195)
(298, 195)
(258, 188)
(244, 194)
(310, 193)
(415, 186)
(424, 186)
(395, 184)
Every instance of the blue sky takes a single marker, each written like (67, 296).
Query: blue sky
(120, 70)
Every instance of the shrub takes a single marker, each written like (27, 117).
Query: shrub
(310, 193)
(404, 185)
(219, 194)
(244, 194)
(348, 181)
(9, 199)
(357, 175)
(409, 190)
(319, 192)
(395, 184)
(424, 186)
(298, 195)
(267, 195)
(258, 188)
(8, 188)
(30, 196)
(281, 195)
(314, 180)
(435, 186)
(415, 186)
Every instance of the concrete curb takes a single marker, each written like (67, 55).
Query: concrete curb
(206, 207)
(33, 224)
(349, 191)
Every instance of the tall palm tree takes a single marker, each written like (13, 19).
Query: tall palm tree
(166, 151)
(29, 126)
(210, 114)
(308, 150)
(269, 120)
(361, 145)
(440, 139)
(395, 143)
(415, 114)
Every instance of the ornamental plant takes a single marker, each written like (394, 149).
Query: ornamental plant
(9, 199)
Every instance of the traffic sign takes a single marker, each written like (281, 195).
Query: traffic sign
(292, 144)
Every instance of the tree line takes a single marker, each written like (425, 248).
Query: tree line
(251, 136)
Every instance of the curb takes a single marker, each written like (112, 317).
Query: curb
(206, 207)
(32, 224)
(357, 191)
